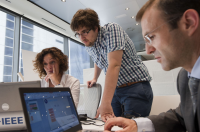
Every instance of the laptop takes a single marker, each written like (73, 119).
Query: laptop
(9, 95)
(49, 110)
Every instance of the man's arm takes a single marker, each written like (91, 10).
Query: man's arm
(164, 122)
(114, 60)
(97, 72)
(168, 121)
(127, 124)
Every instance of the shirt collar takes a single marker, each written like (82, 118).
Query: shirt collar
(101, 34)
(195, 70)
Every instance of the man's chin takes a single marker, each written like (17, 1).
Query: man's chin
(166, 67)
(89, 45)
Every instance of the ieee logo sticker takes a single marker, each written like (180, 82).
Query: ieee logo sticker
(11, 120)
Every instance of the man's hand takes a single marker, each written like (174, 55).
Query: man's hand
(128, 125)
(106, 111)
(91, 83)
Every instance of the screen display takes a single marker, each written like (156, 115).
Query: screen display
(50, 111)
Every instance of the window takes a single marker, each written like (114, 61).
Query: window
(34, 38)
(78, 60)
(7, 27)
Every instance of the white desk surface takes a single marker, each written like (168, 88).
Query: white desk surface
(93, 128)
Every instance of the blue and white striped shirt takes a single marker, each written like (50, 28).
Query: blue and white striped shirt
(112, 37)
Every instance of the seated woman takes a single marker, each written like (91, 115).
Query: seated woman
(51, 65)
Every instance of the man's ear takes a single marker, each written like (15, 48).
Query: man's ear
(96, 29)
(190, 21)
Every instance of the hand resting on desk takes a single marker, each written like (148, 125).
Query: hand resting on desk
(128, 125)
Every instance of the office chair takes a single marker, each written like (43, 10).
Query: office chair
(89, 100)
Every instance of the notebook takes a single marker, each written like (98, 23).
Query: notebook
(49, 110)
(9, 95)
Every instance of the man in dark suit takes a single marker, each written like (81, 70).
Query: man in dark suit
(171, 30)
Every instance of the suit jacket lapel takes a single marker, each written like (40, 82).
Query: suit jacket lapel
(198, 106)
(186, 103)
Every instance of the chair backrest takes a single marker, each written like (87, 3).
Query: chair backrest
(164, 103)
(89, 100)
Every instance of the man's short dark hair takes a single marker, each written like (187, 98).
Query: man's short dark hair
(171, 9)
(85, 18)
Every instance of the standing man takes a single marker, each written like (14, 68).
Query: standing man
(171, 29)
(127, 86)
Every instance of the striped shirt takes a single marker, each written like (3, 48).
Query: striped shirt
(112, 37)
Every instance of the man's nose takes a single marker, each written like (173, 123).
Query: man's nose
(150, 49)
(82, 37)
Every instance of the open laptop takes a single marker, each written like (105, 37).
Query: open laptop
(49, 110)
(9, 95)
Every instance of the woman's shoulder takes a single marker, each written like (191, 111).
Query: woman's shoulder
(70, 78)
(69, 81)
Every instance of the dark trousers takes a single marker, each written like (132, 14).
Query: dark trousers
(134, 100)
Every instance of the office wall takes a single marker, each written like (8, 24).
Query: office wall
(163, 82)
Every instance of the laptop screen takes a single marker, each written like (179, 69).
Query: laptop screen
(50, 111)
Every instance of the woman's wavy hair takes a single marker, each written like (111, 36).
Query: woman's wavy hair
(56, 54)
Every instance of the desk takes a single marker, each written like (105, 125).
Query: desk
(93, 128)
(87, 128)
(17, 131)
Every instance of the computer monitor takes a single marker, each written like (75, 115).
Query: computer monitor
(9, 95)
(49, 110)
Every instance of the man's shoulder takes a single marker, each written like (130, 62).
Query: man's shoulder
(182, 81)
(183, 74)
(110, 25)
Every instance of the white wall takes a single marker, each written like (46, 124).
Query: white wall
(163, 82)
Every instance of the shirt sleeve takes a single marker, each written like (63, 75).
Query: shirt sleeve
(75, 90)
(144, 125)
(116, 38)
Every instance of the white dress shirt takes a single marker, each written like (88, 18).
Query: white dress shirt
(67, 81)
(144, 125)
(195, 70)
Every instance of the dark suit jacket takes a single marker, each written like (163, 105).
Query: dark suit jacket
(182, 118)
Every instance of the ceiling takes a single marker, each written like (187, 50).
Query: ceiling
(60, 13)
(108, 11)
